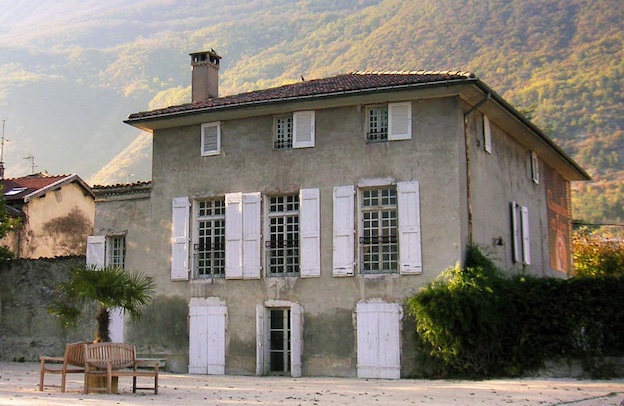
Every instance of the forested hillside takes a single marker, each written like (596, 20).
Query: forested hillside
(72, 71)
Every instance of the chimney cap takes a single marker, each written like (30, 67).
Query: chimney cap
(205, 56)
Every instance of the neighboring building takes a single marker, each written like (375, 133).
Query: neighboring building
(55, 211)
(296, 221)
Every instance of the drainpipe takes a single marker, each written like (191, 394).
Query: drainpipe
(468, 185)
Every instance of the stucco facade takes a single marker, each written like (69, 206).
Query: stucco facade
(56, 216)
(343, 316)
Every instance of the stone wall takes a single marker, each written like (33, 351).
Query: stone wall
(27, 330)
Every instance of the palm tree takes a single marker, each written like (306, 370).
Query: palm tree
(108, 287)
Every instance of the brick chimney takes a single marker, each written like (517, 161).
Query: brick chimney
(205, 77)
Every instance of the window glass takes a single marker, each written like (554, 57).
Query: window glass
(379, 246)
(209, 249)
(283, 133)
(282, 246)
(377, 124)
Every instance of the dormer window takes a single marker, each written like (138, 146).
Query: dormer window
(15, 191)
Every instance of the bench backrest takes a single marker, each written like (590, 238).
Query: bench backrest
(75, 353)
(120, 355)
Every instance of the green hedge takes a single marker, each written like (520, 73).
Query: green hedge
(477, 321)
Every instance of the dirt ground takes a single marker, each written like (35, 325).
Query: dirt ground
(19, 386)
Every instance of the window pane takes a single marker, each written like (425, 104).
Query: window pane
(283, 133)
(377, 124)
(210, 244)
(282, 246)
(379, 230)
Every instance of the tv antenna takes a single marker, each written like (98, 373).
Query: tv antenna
(2, 150)
(32, 163)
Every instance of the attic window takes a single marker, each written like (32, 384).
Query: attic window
(15, 191)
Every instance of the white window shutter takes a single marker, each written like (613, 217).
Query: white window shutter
(296, 340)
(260, 334)
(535, 168)
(515, 233)
(252, 226)
(198, 342)
(96, 250)
(211, 138)
(303, 129)
(410, 247)
(400, 121)
(526, 239)
(234, 235)
(309, 233)
(180, 239)
(487, 134)
(343, 258)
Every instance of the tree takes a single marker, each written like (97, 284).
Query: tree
(108, 288)
(7, 224)
(595, 256)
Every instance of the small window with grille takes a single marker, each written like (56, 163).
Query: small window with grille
(116, 250)
(283, 132)
(209, 247)
(282, 245)
(377, 123)
(379, 247)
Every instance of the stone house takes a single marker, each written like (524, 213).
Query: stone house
(55, 211)
(294, 222)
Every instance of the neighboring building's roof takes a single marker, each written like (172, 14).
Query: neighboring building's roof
(125, 191)
(341, 84)
(28, 187)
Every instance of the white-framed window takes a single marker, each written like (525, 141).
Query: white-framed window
(378, 234)
(282, 243)
(487, 135)
(520, 234)
(391, 122)
(283, 132)
(211, 138)
(116, 250)
(535, 168)
(296, 130)
(376, 123)
(209, 239)
(387, 229)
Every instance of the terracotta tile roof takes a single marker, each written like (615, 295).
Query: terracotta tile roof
(19, 188)
(348, 83)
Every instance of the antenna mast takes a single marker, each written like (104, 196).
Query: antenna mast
(2, 150)
(32, 163)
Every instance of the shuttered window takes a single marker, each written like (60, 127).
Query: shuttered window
(520, 234)
(180, 238)
(211, 139)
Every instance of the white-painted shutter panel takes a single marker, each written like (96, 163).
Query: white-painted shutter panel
(487, 134)
(343, 257)
(399, 121)
(116, 325)
(296, 338)
(309, 232)
(515, 233)
(378, 340)
(526, 239)
(234, 236)
(180, 239)
(535, 168)
(210, 139)
(260, 334)
(96, 250)
(410, 247)
(198, 342)
(303, 129)
(207, 337)
(252, 226)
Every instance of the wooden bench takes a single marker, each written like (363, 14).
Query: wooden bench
(114, 360)
(73, 362)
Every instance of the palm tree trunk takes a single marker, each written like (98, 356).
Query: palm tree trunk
(103, 321)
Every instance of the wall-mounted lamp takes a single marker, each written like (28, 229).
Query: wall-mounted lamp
(499, 241)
